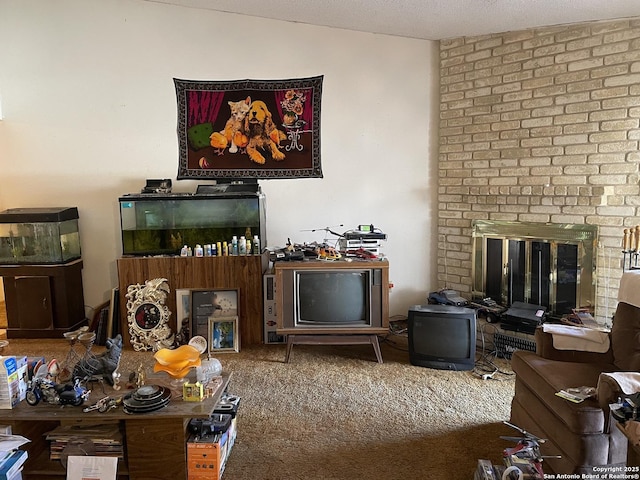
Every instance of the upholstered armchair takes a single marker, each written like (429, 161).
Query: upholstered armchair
(582, 434)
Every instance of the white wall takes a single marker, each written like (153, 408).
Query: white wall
(90, 112)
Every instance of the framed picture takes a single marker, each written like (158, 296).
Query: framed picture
(223, 334)
(249, 129)
(113, 324)
(183, 313)
(206, 304)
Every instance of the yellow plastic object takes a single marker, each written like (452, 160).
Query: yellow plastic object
(173, 358)
(176, 372)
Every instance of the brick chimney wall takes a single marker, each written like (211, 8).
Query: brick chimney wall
(540, 125)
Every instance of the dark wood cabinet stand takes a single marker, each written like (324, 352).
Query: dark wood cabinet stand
(43, 301)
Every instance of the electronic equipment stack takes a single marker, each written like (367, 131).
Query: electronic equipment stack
(211, 440)
(366, 237)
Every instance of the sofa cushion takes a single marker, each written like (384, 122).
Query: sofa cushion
(625, 338)
(545, 377)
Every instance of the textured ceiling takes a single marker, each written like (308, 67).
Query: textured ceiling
(425, 19)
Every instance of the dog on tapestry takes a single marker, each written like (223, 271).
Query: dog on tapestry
(262, 133)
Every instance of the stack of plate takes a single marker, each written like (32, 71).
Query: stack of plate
(147, 398)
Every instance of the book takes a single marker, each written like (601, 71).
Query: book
(105, 440)
(13, 464)
(578, 394)
(9, 444)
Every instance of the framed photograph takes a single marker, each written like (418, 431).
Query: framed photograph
(249, 129)
(206, 304)
(224, 335)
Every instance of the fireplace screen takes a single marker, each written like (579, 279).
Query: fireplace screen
(544, 264)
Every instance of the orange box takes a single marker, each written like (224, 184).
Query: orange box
(207, 456)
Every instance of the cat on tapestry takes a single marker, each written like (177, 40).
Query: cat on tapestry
(233, 128)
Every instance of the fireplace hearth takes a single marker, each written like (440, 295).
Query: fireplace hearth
(553, 265)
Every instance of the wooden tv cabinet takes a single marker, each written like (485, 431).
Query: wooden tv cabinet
(333, 334)
(155, 443)
(243, 273)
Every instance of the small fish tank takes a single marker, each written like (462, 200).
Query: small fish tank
(162, 223)
(39, 235)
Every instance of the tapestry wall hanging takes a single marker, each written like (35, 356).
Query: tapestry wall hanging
(246, 129)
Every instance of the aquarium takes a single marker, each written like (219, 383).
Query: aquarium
(39, 235)
(161, 224)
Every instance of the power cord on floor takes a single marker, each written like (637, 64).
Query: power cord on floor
(397, 328)
(485, 367)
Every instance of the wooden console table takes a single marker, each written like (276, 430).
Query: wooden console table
(155, 443)
(243, 273)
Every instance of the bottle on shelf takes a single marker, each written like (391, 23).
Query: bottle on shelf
(256, 245)
(242, 246)
(234, 246)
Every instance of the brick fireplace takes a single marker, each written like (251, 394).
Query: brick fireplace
(540, 126)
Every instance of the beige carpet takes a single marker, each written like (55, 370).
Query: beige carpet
(334, 413)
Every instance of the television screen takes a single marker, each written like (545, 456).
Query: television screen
(442, 336)
(330, 298)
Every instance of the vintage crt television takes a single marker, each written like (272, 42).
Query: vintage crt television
(332, 297)
(442, 336)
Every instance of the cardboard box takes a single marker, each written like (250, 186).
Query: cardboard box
(207, 455)
(9, 384)
(23, 376)
(233, 430)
